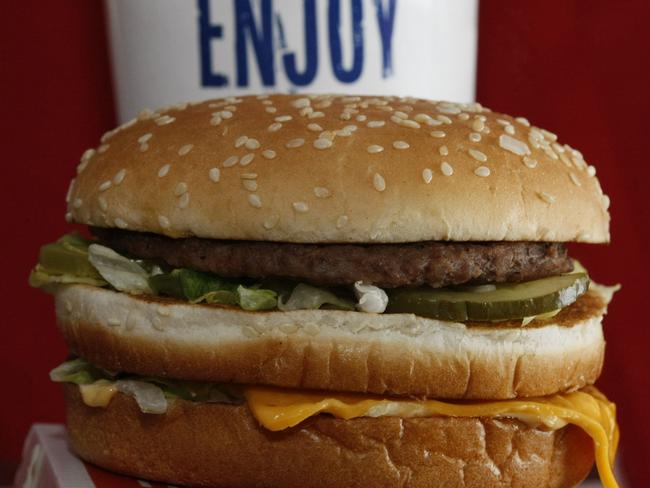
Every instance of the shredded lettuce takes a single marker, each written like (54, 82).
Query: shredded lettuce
(307, 297)
(152, 394)
(122, 273)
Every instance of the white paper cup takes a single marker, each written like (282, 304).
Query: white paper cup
(165, 51)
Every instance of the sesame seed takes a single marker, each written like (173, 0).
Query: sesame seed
(438, 133)
(446, 168)
(548, 198)
(274, 127)
(314, 127)
(475, 137)
(427, 175)
(215, 121)
(513, 145)
(409, 123)
(246, 160)
(575, 179)
(510, 129)
(145, 138)
(300, 207)
(591, 171)
(549, 135)
(305, 111)
(606, 202)
(316, 115)
(231, 161)
(184, 200)
(301, 102)
(322, 143)
(341, 221)
(327, 134)
(121, 223)
(103, 204)
(350, 128)
(271, 110)
(375, 148)
(252, 144)
(119, 177)
(143, 147)
(463, 116)
(342, 133)
(180, 189)
(373, 124)
(248, 176)
(444, 119)
(271, 222)
(164, 120)
(88, 153)
(226, 114)
(185, 149)
(523, 121)
(550, 153)
(361, 118)
(269, 153)
(240, 141)
(322, 192)
(482, 171)
(345, 116)
(163, 170)
(378, 182)
(529, 162)
(283, 118)
(254, 200)
(478, 125)
(478, 155)
(443, 150)
(105, 185)
(163, 221)
(448, 108)
(250, 185)
(68, 195)
(503, 122)
(423, 118)
(214, 174)
(294, 143)
(78, 202)
(565, 159)
(401, 145)
(103, 148)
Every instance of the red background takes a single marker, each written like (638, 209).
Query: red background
(579, 69)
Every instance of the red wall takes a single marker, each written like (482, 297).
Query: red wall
(576, 68)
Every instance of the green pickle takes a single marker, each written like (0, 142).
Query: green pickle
(506, 301)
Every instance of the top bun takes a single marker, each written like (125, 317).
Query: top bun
(329, 168)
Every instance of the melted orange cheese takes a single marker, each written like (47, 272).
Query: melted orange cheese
(98, 394)
(278, 409)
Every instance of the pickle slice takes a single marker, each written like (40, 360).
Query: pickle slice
(501, 301)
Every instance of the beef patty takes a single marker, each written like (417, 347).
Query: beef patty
(436, 264)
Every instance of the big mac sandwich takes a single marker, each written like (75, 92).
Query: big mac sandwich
(312, 291)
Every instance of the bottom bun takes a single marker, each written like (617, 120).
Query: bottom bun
(200, 444)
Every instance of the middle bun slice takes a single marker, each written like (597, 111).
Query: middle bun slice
(400, 354)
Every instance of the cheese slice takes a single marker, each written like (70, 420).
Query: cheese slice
(278, 409)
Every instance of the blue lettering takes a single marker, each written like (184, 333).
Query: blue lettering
(311, 50)
(262, 41)
(207, 32)
(386, 22)
(334, 13)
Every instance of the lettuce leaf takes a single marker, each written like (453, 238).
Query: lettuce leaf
(122, 273)
(307, 297)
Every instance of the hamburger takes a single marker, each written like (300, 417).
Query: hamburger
(290, 290)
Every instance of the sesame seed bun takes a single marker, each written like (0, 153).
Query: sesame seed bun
(335, 350)
(338, 169)
(223, 446)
